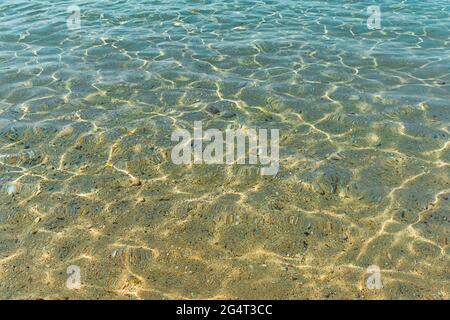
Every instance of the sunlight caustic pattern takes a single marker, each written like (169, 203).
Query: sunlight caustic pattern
(91, 205)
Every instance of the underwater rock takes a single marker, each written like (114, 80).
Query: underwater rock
(329, 179)
(27, 157)
(14, 132)
(224, 107)
(137, 258)
(212, 109)
(362, 190)
(228, 114)
(10, 188)
(135, 182)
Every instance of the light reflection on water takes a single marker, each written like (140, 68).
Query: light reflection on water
(86, 178)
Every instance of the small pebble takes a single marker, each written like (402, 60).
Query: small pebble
(228, 114)
(337, 156)
(136, 182)
(11, 189)
(212, 109)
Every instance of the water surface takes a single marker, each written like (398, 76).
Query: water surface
(86, 176)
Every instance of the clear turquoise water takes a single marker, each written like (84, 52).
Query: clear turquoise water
(86, 178)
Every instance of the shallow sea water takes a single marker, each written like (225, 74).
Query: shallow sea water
(86, 177)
